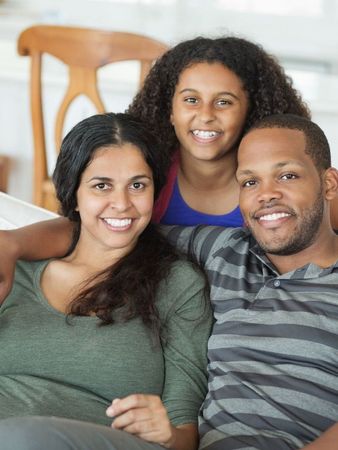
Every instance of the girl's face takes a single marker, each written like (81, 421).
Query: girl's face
(209, 109)
(115, 199)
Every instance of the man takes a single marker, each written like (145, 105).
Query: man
(273, 352)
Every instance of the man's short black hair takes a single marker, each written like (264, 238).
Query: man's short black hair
(316, 143)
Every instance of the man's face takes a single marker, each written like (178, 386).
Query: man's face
(281, 193)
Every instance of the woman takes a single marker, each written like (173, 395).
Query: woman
(112, 320)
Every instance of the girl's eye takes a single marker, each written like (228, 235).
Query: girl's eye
(223, 102)
(190, 100)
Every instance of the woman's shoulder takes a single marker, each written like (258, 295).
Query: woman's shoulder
(185, 272)
(185, 287)
(26, 270)
(27, 276)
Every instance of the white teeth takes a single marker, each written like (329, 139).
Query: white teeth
(274, 216)
(205, 134)
(118, 223)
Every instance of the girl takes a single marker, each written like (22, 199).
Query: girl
(200, 97)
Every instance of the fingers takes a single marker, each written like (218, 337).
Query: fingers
(142, 415)
(119, 406)
(136, 421)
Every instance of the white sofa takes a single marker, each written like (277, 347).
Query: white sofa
(15, 213)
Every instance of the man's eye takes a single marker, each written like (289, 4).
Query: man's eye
(249, 183)
(289, 176)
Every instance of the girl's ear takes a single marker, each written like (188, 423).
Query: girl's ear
(330, 178)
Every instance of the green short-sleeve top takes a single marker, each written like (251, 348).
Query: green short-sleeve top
(74, 368)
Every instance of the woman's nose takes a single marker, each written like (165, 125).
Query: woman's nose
(120, 199)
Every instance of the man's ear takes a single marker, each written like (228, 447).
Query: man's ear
(330, 178)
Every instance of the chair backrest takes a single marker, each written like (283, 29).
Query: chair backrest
(84, 51)
(4, 169)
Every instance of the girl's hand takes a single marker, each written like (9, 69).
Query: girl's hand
(145, 416)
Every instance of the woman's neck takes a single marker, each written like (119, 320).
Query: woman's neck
(64, 278)
(92, 259)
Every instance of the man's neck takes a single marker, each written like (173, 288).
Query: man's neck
(323, 252)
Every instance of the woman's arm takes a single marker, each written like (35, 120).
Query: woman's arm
(50, 238)
(327, 441)
(172, 419)
(146, 417)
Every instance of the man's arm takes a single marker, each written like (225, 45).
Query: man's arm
(50, 238)
(198, 242)
(327, 441)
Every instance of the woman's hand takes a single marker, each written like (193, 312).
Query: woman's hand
(145, 416)
(8, 257)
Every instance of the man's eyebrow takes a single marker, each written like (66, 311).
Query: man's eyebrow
(244, 172)
(187, 90)
(278, 165)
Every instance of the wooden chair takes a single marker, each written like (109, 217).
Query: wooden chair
(4, 171)
(84, 51)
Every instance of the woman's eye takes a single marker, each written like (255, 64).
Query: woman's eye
(137, 186)
(101, 186)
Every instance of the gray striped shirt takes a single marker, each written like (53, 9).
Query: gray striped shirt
(273, 353)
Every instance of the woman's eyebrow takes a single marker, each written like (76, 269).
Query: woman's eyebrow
(108, 179)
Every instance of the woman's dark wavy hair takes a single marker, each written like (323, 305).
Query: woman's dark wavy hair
(270, 90)
(126, 289)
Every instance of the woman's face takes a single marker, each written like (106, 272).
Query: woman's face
(115, 198)
(209, 109)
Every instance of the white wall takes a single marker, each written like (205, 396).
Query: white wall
(305, 42)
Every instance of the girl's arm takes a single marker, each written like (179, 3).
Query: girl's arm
(50, 238)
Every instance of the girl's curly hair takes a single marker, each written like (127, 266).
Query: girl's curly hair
(270, 90)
